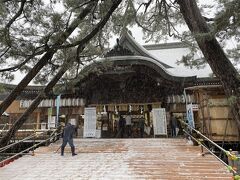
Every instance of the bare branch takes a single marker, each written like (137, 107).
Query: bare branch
(167, 18)
(147, 5)
(16, 15)
(68, 20)
(19, 12)
(208, 19)
(18, 66)
(96, 29)
(4, 52)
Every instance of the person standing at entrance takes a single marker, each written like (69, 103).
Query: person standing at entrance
(122, 123)
(173, 124)
(68, 132)
(115, 127)
(141, 126)
(129, 125)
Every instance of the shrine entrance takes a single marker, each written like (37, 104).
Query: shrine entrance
(128, 81)
(139, 114)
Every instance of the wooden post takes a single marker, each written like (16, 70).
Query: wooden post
(38, 120)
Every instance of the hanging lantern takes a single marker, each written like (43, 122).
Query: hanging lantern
(141, 109)
(115, 109)
(130, 108)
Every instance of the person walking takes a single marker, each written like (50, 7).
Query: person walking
(68, 132)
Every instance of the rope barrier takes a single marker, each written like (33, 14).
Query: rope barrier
(35, 134)
(10, 145)
(228, 153)
(2, 163)
(200, 143)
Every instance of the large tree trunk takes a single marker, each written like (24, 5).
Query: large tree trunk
(7, 137)
(46, 57)
(214, 54)
(81, 44)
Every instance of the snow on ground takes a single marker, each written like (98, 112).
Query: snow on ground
(117, 159)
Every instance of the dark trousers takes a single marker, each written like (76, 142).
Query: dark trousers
(122, 131)
(141, 132)
(129, 130)
(70, 142)
(173, 131)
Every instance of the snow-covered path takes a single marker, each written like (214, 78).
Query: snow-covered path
(157, 158)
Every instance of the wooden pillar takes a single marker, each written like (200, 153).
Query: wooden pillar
(38, 120)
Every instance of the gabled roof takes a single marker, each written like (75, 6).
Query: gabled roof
(128, 52)
(128, 42)
(139, 60)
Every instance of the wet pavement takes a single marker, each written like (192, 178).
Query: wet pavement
(158, 158)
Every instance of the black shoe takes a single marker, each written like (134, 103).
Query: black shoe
(73, 151)
(62, 151)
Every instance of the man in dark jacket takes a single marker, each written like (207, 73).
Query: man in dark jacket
(173, 124)
(68, 132)
(141, 127)
(122, 123)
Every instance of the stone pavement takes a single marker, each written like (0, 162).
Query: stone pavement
(157, 158)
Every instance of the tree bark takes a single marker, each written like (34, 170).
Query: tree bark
(6, 138)
(46, 57)
(214, 54)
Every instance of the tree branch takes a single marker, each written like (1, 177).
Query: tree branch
(208, 19)
(16, 15)
(51, 84)
(5, 51)
(8, 39)
(62, 36)
(17, 67)
(96, 29)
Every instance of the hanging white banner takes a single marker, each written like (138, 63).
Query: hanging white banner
(159, 121)
(90, 118)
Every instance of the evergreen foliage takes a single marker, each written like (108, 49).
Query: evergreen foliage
(30, 27)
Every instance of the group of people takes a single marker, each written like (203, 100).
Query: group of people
(124, 126)
(175, 126)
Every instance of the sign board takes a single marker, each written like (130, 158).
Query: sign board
(90, 118)
(58, 100)
(190, 116)
(159, 121)
(51, 119)
(52, 122)
(195, 107)
(43, 126)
